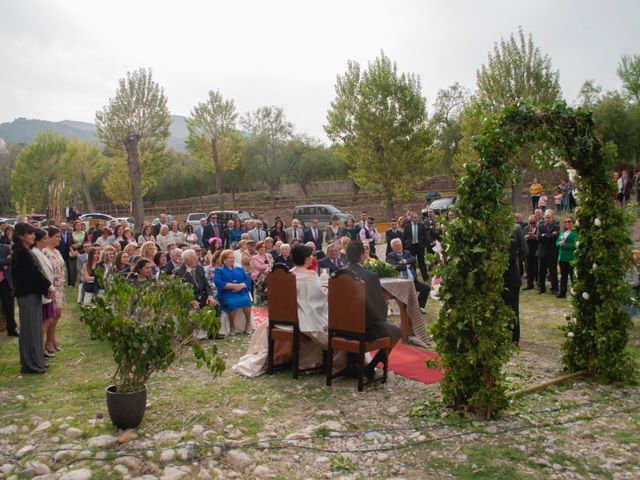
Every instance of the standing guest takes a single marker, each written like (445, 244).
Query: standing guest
(512, 278)
(534, 191)
(401, 221)
(129, 237)
(190, 238)
(141, 273)
(82, 259)
(627, 185)
(41, 240)
(146, 235)
(121, 264)
(565, 189)
(344, 243)
(332, 261)
(415, 240)
(334, 230)
(74, 214)
(433, 231)
(519, 221)
(566, 244)
(66, 240)
(557, 200)
(200, 230)
(405, 263)
(175, 234)
(539, 216)
(235, 235)
(391, 233)
(258, 233)
(369, 234)
(542, 201)
(278, 232)
(531, 237)
(547, 253)
(211, 229)
(294, 231)
(376, 325)
(233, 286)
(314, 234)
(6, 290)
(89, 275)
(30, 286)
(58, 266)
(363, 220)
(155, 230)
(351, 230)
(164, 239)
(105, 239)
(97, 231)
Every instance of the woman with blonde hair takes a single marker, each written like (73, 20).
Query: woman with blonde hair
(148, 251)
(59, 281)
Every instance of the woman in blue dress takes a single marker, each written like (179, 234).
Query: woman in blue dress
(233, 286)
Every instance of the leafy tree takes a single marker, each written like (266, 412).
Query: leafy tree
(447, 122)
(186, 177)
(136, 123)
(589, 95)
(83, 162)
(213, 136)
(516, 72)
(629, 73)
(37, 181)
(239, 179)
(618, 122)
(379, 120)
(8, 155)
(268, 131)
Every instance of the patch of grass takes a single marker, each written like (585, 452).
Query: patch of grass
(321, 432)
(341, 464)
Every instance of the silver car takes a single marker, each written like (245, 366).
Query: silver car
(306, 213)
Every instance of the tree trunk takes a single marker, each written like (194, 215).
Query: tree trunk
(356, 190)
(272, 196)
(131, 144)
(87, 196)
(515, 193)
(233, 199)
(303, 187)
(388, 203)
(218, 169)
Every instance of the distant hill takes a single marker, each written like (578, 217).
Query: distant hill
(23, 130)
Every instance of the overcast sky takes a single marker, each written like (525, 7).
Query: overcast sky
(62, 59)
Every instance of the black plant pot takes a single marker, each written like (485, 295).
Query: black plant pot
(126, 410)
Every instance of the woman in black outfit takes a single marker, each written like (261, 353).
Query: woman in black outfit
(278, 233)
(30, 284)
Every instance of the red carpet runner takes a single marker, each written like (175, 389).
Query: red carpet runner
(406, 361)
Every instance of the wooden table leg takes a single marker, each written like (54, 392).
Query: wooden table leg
(404, 321)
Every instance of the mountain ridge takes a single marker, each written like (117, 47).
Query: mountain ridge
(24, 130)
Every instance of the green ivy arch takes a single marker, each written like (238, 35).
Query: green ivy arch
(472, 331)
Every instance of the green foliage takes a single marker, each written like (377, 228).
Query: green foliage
(83, 162)
(629, 73)
(379, 121)
(37, 173)
(8, 156)
(447, 122)
(473, 329)
(618, 122)
(589, 95)
(147, 328)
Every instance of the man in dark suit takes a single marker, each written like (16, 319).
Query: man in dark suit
(211, 229)
(66, 240)
(405, 263)
(163, 221)
(332, 261)
(433, 232)
(531, 237)
(547, 252)
(314, 234)
(193, 273)
(6, 290)
(174, 262)
(376, 307)
(392, 233)
(415, 239)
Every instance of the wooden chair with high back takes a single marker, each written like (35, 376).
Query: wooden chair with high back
(347, 322)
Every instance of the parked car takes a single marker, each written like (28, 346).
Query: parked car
(225, 215)
(92, 219)
(130, 221)
(193, 219)
(306, 213)
(9, 220)
(440, 205)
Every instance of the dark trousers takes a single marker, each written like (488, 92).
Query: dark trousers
(548, 265)
(511, 296)
(534, 202)
(532, 269)
(423, 292)
(8, 305)
(418, 252)
(566, 271)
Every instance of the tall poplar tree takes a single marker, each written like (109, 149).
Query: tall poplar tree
(136, 122)
(379, 121)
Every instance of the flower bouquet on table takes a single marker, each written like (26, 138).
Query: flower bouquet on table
(383, 269)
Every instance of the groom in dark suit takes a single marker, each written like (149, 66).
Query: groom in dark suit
(375, 305)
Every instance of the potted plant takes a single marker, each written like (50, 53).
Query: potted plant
(146, 328)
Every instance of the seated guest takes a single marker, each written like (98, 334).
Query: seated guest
(163, 239)
(233, 286)
(146, 235)
(193, 273)
(275, 251)
(160, 260)
(174, 262)
(405, 263)
(312, 300)
(375, 308)
(313, 264)
(332, 261)
(141, 273)
(105, 239)
(284, 255)
(175, 234)
(121, 264)
(190, 238)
